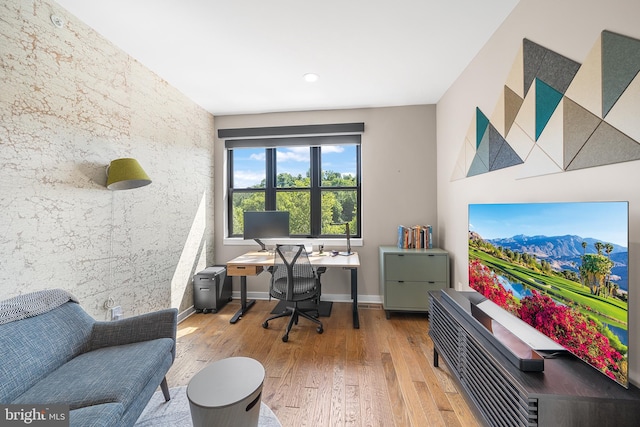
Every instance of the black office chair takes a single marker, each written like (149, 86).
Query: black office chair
(293, 279)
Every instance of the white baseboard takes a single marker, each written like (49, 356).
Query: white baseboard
(365, 299)
(188, 312)
(362, 299)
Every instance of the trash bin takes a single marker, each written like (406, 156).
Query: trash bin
(211, 289)
(227, 393)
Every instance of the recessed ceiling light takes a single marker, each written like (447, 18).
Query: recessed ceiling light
(311, 77)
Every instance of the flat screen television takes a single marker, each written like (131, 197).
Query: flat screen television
(563, 269)
(265, 224)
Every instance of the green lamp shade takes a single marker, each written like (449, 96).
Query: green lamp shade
(125, 174)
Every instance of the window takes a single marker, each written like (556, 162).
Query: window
(316, 179)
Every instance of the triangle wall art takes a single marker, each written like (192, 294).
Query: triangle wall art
(556, 115)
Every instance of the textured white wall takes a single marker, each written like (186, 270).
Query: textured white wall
(70, 102)
(570, 28)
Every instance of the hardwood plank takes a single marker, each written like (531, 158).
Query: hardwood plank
(378, 375)
(338, 395)
(408, 376)
(395, 392)
(352, 404)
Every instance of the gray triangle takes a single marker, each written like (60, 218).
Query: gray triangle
(606, 146)
(495, 143)
(506, 158)
(501, 153)
(620, 64)
(578, 125)
(557, 71)
(532, 57)
(552, 68)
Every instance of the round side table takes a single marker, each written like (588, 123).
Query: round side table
(227, 393)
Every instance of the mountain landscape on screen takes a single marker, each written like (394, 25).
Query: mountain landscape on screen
(565, 252)
(563, 269)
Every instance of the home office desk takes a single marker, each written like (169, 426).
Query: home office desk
(253, 263)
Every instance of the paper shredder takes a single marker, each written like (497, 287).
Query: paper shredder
(211, 289)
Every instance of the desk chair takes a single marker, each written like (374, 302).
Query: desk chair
(293, 279)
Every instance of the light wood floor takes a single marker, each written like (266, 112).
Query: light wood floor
(379, 375)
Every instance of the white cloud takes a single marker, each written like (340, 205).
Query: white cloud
(294, 154)
(332, 149)
(244, 179)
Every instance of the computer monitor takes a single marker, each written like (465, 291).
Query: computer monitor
(265, 224)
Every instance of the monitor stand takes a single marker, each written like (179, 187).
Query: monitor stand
(263, 247)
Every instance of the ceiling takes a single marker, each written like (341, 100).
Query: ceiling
(249, 56)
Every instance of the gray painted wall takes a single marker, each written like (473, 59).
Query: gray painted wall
(398, 185)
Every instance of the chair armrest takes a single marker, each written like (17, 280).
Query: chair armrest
(320, 270)
(145, 327)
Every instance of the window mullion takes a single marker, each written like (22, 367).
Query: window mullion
(271, 175)
(316, 195)
(230, 192)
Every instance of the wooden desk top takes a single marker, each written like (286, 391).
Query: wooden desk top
(264, 259)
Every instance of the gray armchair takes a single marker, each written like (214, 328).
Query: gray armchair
(105, 372)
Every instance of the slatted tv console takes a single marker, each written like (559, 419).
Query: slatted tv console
(567, 393)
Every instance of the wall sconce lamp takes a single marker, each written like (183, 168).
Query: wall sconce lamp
(125, 174)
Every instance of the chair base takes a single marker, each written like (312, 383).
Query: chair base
(294, 313)
(324, 308)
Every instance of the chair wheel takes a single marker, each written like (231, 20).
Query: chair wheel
(320, 330)
(285, 338)
(265, 325)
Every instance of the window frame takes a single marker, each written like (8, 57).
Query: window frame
(315, 143)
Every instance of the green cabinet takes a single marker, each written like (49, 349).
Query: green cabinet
(407, 275)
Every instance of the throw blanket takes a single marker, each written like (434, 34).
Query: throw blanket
(33, 304)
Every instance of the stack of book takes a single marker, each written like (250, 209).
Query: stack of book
(416, 237)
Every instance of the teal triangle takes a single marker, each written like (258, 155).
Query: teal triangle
(481, 125)
(547, 99)
(620, 64)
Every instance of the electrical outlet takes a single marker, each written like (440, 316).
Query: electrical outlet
(116, 313)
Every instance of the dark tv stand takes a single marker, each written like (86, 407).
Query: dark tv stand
(567, 393)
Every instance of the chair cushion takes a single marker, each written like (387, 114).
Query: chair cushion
(105, 415)
(106, 375)
(305, 288)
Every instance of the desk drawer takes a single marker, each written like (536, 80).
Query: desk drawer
(409, 295)
(244, 270)
(415, 267)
